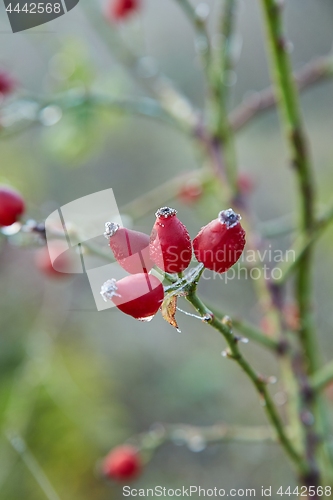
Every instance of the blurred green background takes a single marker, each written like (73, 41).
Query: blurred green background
(76, 382)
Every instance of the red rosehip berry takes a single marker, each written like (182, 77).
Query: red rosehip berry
(139, 295)
(119, 10)
(130, 248)
(220, 244)
(7, 84)
(245, 184)
(122, 463)
(190, 192)
(53, 261)
(11, 206)
(170, 243)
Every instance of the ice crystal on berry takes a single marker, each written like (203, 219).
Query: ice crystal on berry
(229, 218)
(110, 229)
(109, 290)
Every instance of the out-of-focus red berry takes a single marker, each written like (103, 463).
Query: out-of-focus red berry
(53, 260)
(11, 206)
(220, 244)
(170, 242)
(120, 10)
(190, 192)
(291, 316)
(7, 84)
(245, 183)
(130, 248)
(122, 463)
(267, 326)
(139, 295)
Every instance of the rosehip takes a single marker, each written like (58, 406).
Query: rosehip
(220, 244)
(122, 463)
(130, 248)
(122, 9)
(11, 206)
(55, 252)
(7, 84)
(245, 184)
(139, 295)
(190, 192)
(170, 243)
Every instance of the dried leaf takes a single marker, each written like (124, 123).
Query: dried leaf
(168, 310)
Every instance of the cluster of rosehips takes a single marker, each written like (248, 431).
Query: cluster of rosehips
(218, 246)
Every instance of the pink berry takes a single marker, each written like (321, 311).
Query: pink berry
(130, 248)
(190, 192)
(53, 261)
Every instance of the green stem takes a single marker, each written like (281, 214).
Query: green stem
(323, 377)
(221, 128)
(202, 37)
(176, 104)
(259, 382)
(217, 433)
(251, 332)
(292, 123)
(290, 110)
(303, 243)
(314, 72)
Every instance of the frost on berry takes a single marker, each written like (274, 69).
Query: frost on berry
(165, 212)
(110, 229)
(229, 218)
(109, 290)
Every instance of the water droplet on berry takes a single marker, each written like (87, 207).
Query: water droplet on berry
(11, 230)
(147, 319)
